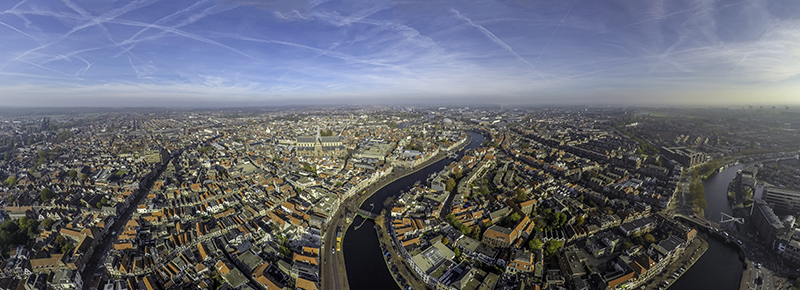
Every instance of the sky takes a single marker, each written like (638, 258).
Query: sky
(229, 53)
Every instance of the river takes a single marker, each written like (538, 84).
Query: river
(719, 267)
(366, 268)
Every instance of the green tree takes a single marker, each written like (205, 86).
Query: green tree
(67, 249)
(28, 226)
(11, 180)
(513, 218)
(649, 238)
(552, 246)
(83, 176)
(535, 245)
(579, 220)
(457, 252)
(558, 219)
(450, 184)
(459, 175)
(47, 223)
(627, 244)
(519, 195)
(484, 190)
(747, 192)
(46, 194)
(72, 174)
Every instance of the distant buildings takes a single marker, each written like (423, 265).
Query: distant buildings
(685, 156)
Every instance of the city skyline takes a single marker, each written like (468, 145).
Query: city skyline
(238, 53)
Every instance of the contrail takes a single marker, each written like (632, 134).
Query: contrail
(551, 36)
(17, 30)
(491, 36)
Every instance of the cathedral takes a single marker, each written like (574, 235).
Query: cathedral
(320, 146)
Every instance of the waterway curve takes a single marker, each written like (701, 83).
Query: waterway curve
(366, 268)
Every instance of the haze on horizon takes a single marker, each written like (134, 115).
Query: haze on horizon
(244, 52)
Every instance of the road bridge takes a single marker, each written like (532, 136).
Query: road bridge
(712, 227)
(366, 214)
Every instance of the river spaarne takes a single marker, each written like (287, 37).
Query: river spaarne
(366, 268)
(719, 267)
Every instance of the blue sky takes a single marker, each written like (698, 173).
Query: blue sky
(277, 52)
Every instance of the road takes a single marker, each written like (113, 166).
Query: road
(101, 251)
(330, 278)
(333, 274)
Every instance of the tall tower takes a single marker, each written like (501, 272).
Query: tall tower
(45, 124)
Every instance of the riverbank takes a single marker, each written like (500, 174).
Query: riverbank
(337, 270)
(400, 173)
(407, 277)
(691, 254)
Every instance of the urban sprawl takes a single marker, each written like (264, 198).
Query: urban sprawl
(559, 198)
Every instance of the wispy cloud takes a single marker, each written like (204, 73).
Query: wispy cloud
(492, 37)
(240, 51)
(551, 36)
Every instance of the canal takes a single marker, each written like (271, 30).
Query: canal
(719, 267)
(366, 268)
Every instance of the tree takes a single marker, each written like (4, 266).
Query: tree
(579, 220)
(484, 189)
(649, 238)
(66, 249)
(46, 194)
(459, 175)
(519, 195)
(747, 192)
(552, 246)
(309, 168)
(47, 223)
(72, 174)
(627, 244)
(514, 218)
(457, 252)
(535, 245)
(60, 241)
(558, 219)
(11, 180)
(83, 176)
(539, 224)
(450, 184)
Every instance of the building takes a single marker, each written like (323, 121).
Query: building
(783, 199)
(320, 146)
(685, 156)
(497, 236)
(766, 221)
